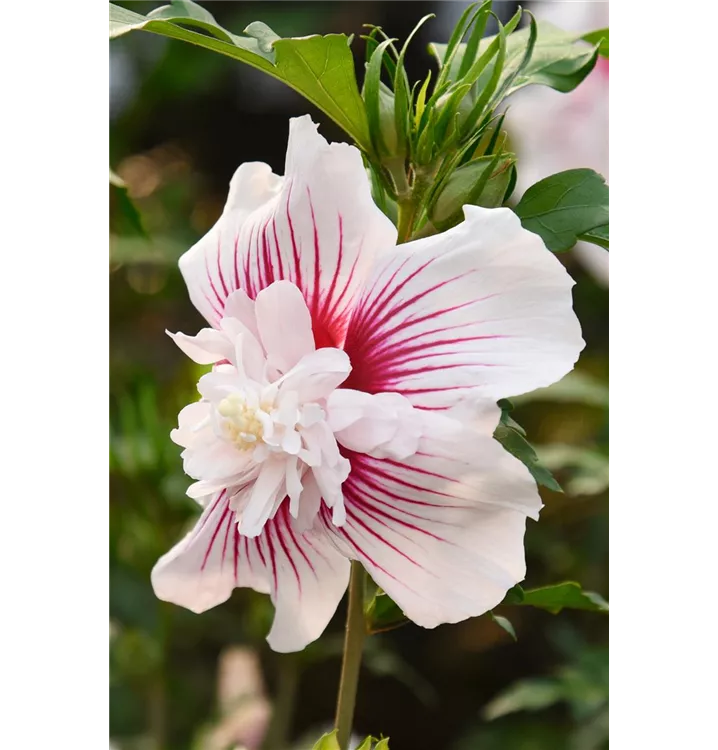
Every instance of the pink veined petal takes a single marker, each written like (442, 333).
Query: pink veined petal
(484, 308)
(316, 227)
(208, 266)
(285, 326)
(303, 573)
(443, 537)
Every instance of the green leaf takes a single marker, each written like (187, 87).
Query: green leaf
(567, 595)
(564, 206)
(367, 744)
(527, 695)
(379, 103)
(477, 32)
(560, 59)
(517, 445)
(599, 37)
(190, 14)
(382, 744)
(493, 74)
(320, 68)
(450, 49)
(505, 624)
(328, 742)
(402, 95)
(598, 236)
(382, 614)
(421, 100)
(515, 595)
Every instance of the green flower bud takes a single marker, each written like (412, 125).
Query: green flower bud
(481, 182)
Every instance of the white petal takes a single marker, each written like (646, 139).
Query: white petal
(291, 442)
(483, 307)
(345, 406)
(443, 537)
(294, 486)
(247, 354)
(317, 374)
(203, 489)
(265, 491)
(215, 460)
(191, 420)
(241, 308)
(284, 324)
(384, 425)
(309, 502)
(311, 414)
(218, 384)
(317, 227)
(206, 348)
(304, 573)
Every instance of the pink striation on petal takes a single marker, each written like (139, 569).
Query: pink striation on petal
(303, 573)
(483, 309)
(316, 227)
(441, 532)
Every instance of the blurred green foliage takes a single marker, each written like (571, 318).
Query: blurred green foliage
(182, 119)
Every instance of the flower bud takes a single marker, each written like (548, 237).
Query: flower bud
(481, 182)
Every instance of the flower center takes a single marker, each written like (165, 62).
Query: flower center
(241, 423)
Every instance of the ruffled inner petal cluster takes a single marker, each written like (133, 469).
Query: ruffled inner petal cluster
(260, 431)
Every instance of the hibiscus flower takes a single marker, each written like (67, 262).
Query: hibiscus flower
(350, 410)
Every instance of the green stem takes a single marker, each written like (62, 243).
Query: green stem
(353, 643)
(409, 204)
(405, 220)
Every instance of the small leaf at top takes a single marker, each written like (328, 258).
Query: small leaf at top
(320, 68)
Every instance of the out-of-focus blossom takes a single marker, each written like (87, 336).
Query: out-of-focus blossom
(552, 132)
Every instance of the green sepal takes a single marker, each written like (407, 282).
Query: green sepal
(505, 624)
(599, 37)
(557, 596)
(382, 613)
